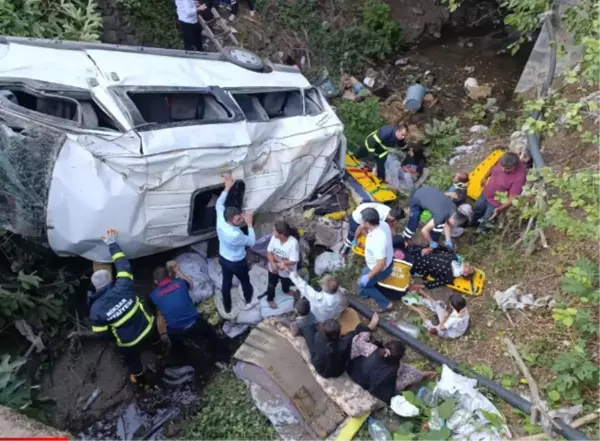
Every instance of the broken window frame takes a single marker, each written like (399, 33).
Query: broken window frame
(303, 94)
(202, 232)
(141, 124)
(49, 90)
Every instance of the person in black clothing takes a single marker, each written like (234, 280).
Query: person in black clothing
(442, 264)
(377, 373)
(378, 143)
(412, 166)
(329, 351)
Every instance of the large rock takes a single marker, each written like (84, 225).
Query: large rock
(14, 424)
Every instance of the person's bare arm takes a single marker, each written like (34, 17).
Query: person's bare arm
(359, 231)
(427, 229)
(448, 232)
(374, 322)
(503, 207)
(174, 269)
(379, 267)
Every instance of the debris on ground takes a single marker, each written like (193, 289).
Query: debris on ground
(401, 62)
(518, 142)
(515, 298)
(478, 128)
(475, 91)
(491, 105)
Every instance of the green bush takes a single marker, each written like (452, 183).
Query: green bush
(154, 25)
(65, 19)
(359, 119)
(441, 138)
(228, 413)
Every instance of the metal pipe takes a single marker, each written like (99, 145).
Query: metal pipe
(510, 397)
(533, 141)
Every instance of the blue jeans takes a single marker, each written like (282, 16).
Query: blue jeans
(483, 210)
(371, 289)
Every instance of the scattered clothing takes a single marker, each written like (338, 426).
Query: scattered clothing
(323, 306)
(437, 203)
(406, 375)
(456, 324)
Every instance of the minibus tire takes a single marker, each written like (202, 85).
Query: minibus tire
(251, 61)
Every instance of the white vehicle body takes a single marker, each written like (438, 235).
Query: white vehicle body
(137, 139)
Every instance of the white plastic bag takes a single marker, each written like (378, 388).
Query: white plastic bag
(328, 262)
(196, 268)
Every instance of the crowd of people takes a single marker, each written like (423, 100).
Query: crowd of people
(117, 312)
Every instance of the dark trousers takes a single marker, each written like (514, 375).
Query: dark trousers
(235, 7)
(132, 356)
(198, 332)
(241, 271)
(362, 152)
(192, 36)
(482, 211)
(413, 221)
(274, 279)
(308, 331)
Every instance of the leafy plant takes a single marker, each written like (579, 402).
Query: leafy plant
(360, 119)
(228, 413)
(65, 19)
(441, 137)
(155, 26)
(498, 124)
(478, 113)
(565, 316)
(14, 391)
(575, 372)
(581, 281)
(441, 177)
(484, 370)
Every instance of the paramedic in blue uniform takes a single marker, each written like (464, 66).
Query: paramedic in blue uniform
(116, 311)
(172, 299)
(378, 143)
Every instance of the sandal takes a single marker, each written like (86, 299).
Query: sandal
(272, 304)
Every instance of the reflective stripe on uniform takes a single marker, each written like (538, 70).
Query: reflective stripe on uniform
(128, 316)
(99, 328)
(125, 274)
(118, 255)
(378, 141)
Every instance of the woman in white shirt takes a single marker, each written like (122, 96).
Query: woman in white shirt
(283, 252)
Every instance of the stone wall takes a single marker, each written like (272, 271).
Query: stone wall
(116, 27)
(536, 70)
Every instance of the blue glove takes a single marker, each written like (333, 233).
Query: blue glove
(449, 244)
(433, 245)
(354, 243)
(364, 280)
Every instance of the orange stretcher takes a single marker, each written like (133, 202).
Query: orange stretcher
(474, 188)
(400, 277)
(365, 183)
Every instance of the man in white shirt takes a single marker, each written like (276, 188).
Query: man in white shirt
(232, 246)
(386, 214)
(187, 14)
(326, 304)
(379, 256)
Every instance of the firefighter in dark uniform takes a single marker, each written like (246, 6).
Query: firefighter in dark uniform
(377, 145)
(116, 311)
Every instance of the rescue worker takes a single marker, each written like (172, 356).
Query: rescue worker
(377, 145)
(172, 299)
(116, 311)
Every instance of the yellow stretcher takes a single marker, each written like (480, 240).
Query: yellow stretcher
(366, 184)
(474, 188)
(400, 277)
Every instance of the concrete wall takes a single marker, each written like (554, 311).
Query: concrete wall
(536, 69)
